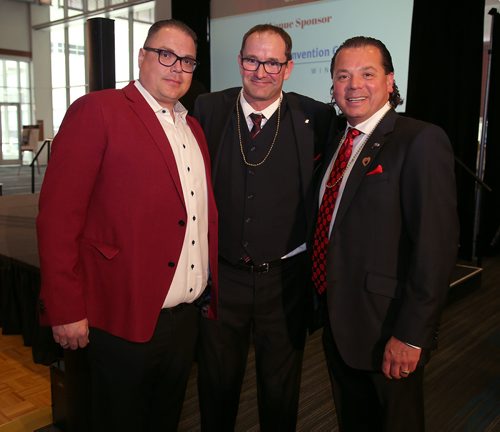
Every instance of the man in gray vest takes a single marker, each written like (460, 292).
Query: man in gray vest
(265, 145)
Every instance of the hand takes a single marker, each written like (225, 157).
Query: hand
(73, 335)
(400, 360)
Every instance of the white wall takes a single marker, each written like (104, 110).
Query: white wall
(42, 83)
(16, 19)
(14, 25)
(163, 9)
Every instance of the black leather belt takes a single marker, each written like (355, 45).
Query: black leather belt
(252, 267)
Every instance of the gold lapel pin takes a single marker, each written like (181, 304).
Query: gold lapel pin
(366, 160)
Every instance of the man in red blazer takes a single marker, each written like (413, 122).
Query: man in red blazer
(127, 234)
(388, 215)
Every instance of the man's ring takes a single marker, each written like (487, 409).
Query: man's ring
(405, 372)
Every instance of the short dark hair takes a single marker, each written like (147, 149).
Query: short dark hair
(170, 23)
(263, 28)
(361, 41)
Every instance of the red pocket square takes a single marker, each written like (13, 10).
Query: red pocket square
(377, 170)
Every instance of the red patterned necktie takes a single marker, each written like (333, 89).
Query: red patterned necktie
(257, 120)
(325, 213)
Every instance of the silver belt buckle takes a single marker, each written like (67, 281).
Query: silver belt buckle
(266, 267)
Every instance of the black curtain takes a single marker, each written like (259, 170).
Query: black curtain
(197, 17)
(489, 233)
(444, 86)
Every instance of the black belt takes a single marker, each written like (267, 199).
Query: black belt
(252, 267)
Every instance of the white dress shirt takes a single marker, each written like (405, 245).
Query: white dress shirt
(366, 128)
(266, 112)
(191, 273)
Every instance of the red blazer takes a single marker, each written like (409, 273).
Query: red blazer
(112, 217)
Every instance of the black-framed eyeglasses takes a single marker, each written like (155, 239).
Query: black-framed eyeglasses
(168, 58)
(270, 66)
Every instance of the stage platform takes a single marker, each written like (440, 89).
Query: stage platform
(17, 228)
(20, 276)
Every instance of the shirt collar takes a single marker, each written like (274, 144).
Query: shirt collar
(267, 112)
(367, 126)
(179, 110)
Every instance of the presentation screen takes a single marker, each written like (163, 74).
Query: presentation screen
(317, 28)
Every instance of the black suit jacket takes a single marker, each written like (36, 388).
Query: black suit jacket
(314, 125)
(394, 241)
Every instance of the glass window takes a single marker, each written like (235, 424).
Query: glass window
(140, 33)
(16, 107)
(76, 48)
(12, 74)
(11, 131)
(15, 84)
(58, 56)
(24, 76)
(69, 78)
(57, 11)
(24, 95)
(59, 106)
(144, 14)
(92, 5)
(26, 114)
(122, 51)
(75, 7)
(76, 92)
(2, 75)
(120, 85)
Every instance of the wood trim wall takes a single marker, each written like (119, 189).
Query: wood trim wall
(15, 53)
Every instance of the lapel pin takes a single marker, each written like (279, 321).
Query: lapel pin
(306, 121)
(375, 145)
(366, 161)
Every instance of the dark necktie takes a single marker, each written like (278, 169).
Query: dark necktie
(325, 213)
(257, 120)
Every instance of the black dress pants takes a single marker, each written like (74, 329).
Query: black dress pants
(267, 309)
(140, 387)
(367, 401)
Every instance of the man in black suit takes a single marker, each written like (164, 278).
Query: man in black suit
(391, 246)
(262, 175)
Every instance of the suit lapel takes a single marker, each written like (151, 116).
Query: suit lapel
(327, 158)
(304, 138)
(365, 162)
(153, 126)
(301, 124)
(226, 115)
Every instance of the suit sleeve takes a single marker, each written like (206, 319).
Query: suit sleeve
(428, 197)
(74, 165)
